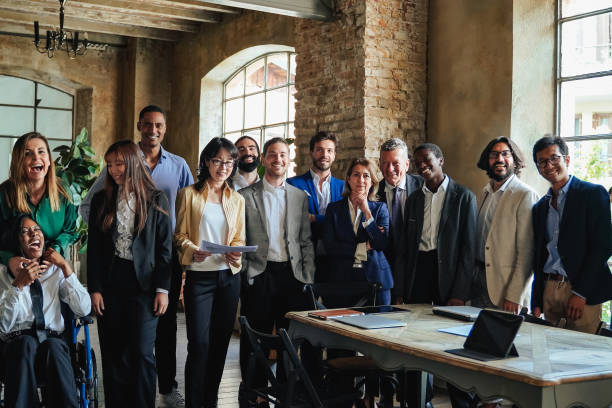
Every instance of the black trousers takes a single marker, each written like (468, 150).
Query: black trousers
(22, 358)
(272, 294)
(211, 301)
(165, 340)
(127, 336)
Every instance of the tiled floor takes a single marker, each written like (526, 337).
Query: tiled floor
(228, 393)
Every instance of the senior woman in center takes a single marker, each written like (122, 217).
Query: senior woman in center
(355, 233)
(209, 210)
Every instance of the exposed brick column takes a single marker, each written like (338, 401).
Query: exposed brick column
(362, 76)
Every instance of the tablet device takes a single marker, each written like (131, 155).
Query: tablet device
(467, 313)
(370, 321)
(333, 313)
(491, 337)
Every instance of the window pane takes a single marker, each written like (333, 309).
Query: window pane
(54, 124)
(586, 45)
(52, 98)
(254, 110)
(292, 69)
(232, 136)
(16, 91)
(276, 106)
(592, 161)
(585, 106)
(56, 143)
(16, 121)
(235, 87)
(275, 131)
(6, 147)
(233, 115)
(291, 103)
(277, 70)
(255, 76)
(573, 7)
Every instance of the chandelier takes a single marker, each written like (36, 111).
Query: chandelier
(62, 40)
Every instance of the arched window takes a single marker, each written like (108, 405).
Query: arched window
(258, 99)
(27, 106)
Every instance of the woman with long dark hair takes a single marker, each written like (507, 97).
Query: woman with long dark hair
(210, 210)
(128, 274)
(33, 188)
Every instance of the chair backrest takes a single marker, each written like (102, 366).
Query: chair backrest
(296, 387)
(363, 292)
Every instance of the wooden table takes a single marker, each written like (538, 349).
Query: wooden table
(556, 367)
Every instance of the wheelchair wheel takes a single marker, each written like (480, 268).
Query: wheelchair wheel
(91, 386)
(93, 398)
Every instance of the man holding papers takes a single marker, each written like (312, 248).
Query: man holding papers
(277, 221)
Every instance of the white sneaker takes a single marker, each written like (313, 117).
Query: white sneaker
(174, 399)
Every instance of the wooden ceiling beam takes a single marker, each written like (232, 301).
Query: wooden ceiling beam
(313, 9)
(190, 4)
(50, 21)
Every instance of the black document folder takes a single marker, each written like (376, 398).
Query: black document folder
(491, 337)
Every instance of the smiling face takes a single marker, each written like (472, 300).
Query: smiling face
(394, 164)
(116, 167)
(428, 165)
(37, 159)
(220, 167)
(276, 160)
(360, 180)
(554, 173)
(323, 155)
(31, 239)
(152, 129)
(501, 162)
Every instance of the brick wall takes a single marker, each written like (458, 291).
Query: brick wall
(362, 76)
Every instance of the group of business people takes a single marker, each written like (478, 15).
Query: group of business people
(422, 237)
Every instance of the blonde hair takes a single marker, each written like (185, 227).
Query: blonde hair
(17, 183)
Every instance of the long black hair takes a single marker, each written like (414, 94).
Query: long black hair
(209, 152)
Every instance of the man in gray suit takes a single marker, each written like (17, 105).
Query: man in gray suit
(277, 221)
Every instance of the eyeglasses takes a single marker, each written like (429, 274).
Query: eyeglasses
(495, 154)
(31, 230)
(218, 163)
(554, 160)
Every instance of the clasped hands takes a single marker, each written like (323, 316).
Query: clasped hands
(26, 271)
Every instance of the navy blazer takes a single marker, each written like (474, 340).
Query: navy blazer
(456, 243)
(585, 242)
(341, 242)
(152, 247)
(306, 183)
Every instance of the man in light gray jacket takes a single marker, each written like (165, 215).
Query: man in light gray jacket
(505, 234)
(277, 221)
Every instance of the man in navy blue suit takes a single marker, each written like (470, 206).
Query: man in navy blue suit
(573, 241)
(321, 188)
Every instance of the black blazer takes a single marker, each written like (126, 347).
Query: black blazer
(456, 242)
(413, 183)
(152, 247)
(585, 242)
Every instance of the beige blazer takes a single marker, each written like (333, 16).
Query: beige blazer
(509, 246)
(190, 205)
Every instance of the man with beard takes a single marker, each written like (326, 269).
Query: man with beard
(504, 251)
(248, 160)
(321, 188)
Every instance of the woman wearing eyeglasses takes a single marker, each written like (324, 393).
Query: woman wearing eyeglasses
(210, 210)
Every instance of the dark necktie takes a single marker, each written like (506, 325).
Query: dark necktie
(396, 214)
(36, 294)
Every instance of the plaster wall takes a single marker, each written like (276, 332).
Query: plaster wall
(194, 57)
(94, 77)
(470, 81)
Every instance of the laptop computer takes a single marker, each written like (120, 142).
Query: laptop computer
(467, 313)
(370, 321)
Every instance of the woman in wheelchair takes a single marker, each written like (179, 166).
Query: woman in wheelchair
(31, 323)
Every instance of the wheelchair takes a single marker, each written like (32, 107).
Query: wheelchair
(82, 357)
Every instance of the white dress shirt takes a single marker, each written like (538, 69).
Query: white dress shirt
(431, 216)
(275, 206)
(403, 194)
(323, 191)
(361, 252)
(486, 212)
(213, 228)
(16, 305)
(124, 235)
(240, 182)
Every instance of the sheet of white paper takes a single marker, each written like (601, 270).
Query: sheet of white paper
(463, 330)
(221, 249)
